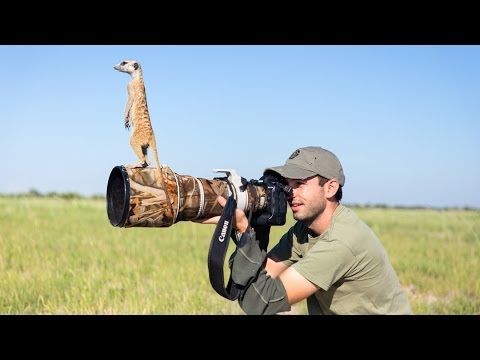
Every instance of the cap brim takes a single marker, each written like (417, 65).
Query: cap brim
(292, 171)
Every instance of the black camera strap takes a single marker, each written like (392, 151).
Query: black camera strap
(219, 246)
(218, 251)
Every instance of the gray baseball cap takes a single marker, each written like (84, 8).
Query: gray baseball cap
(310, 161)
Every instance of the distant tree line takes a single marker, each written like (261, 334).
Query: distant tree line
(410, 207)
(70, 195)
(73, 195)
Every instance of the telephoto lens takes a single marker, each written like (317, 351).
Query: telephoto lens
(136, 196)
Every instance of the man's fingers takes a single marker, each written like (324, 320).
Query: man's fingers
(212, 220)
(221, 200)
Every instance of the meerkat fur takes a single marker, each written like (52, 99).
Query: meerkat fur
(137, 116)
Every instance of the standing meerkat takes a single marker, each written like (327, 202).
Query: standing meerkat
(137, 116)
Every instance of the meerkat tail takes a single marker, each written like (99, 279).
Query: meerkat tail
(153, 147)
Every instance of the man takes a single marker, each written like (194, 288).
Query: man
(329, 257)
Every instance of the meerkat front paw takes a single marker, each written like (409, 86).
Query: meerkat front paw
(139, 165)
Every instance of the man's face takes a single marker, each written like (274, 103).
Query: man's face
(307, 199)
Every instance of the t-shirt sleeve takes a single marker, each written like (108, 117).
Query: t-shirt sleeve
(325, 263)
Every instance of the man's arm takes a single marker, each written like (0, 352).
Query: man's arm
(296, 286)
(275, 268)
(266, 290)
(261, 293)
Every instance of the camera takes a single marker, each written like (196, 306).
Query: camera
(136, 197)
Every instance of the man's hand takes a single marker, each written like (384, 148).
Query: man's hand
(240, 223)
(212, 220)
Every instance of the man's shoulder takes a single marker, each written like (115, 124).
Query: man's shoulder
(346, 218)
(344, 213)
(350, 229)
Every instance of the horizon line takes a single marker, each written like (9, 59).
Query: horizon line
(70, 195)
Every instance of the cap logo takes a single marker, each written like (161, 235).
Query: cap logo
(294, 154)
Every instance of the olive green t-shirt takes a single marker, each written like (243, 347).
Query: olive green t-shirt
(348, 263)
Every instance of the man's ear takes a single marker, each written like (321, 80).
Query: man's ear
(331, 188)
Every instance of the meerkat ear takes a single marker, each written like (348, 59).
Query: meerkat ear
(135, 66)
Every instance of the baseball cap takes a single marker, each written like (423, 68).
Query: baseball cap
(310, 161)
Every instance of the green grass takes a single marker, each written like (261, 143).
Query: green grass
(436, 254)
(62, 256)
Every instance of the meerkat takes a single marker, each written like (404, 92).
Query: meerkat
(138, 117)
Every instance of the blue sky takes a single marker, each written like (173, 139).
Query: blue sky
(404, 120)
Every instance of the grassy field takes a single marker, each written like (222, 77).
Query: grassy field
(62, 256)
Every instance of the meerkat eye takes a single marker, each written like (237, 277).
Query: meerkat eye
(123, 63)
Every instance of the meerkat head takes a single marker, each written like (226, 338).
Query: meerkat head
(129, 66)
